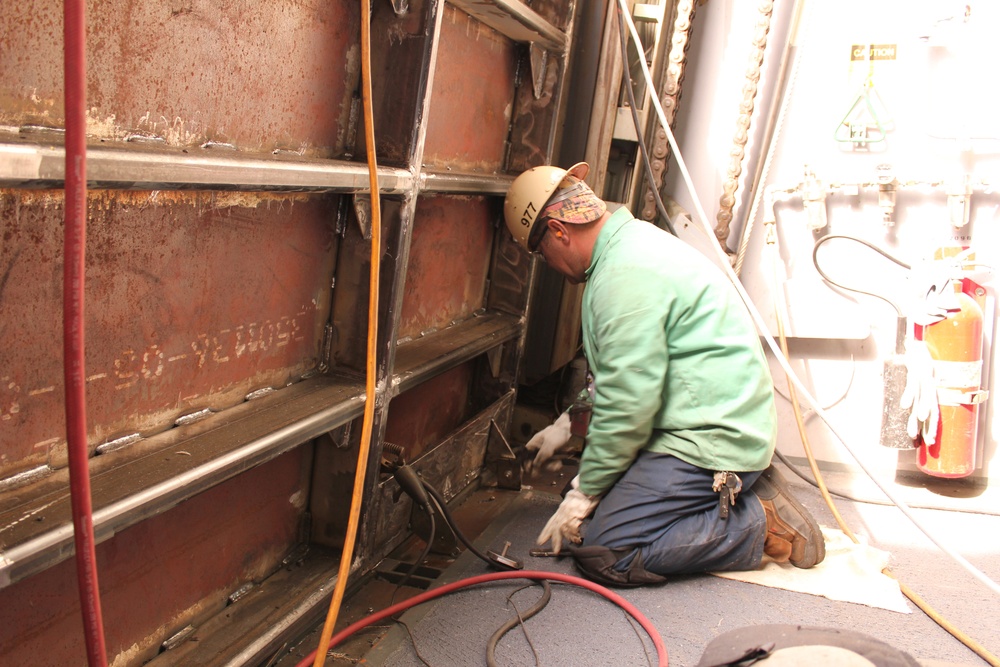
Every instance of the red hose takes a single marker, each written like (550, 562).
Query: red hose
(628, 607)
(75, 73)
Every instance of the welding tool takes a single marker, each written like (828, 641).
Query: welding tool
(427, 498)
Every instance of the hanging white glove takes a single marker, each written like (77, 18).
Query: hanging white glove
(565, 523)
(933, 290)
(547, 443)
(920, 394)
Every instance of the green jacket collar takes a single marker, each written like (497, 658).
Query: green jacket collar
(611, 227)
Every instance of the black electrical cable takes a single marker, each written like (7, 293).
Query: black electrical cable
(524, 630)
(627, 76)
(421, 558)
(638, 634)
(413, 641)
(436, 499)
(628, 607)
(491, 646)
(427, 497)
(411, 483)
(830, 237)
(439, 501)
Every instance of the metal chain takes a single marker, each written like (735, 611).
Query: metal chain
(670, 93)
(727, 201)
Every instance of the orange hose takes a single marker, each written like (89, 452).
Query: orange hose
(366, 429)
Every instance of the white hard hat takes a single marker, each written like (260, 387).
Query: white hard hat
(529, 194)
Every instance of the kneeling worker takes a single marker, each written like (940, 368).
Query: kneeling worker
(676, 469)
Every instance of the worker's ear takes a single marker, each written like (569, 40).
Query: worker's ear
(558, 229)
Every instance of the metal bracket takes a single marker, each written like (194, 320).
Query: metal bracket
(539, 57)
(178, 638)
(501, 458)
(814, 200)
(494, 355)
(886, 192)
(959, 194)
(363, 214)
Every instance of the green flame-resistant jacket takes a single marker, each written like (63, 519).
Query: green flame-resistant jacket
(678, 366)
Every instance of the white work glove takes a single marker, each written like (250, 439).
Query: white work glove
(933, 290)
(920, 394)
(565, 523)
(547, 443)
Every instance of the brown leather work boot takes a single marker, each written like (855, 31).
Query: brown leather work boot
(792, 533)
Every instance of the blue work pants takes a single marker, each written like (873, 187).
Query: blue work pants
(666, 509)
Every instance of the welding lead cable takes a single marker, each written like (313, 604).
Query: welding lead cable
(772, 344)
(347, 554)
(421, 558)
(74, 360)
(491, 645)
(442, 506)
(626, 606)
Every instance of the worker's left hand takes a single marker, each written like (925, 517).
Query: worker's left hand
(565, 523)
(547, 443)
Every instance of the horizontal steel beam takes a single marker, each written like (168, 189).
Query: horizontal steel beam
(317, 406)
(515, 20)
(37, 166)
(435, 353)
(452, 183)
(263, 429)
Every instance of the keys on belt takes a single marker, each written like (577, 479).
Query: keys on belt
(727, 485)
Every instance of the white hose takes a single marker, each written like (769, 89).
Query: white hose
(762, 326)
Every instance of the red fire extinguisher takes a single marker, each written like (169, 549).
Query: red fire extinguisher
(955, 344)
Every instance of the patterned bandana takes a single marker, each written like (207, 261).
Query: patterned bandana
(574, 204)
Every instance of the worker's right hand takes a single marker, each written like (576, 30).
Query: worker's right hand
(546, 444)
(565, 523)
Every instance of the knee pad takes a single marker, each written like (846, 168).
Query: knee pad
(597, 563)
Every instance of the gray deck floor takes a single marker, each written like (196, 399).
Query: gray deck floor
(580, 628)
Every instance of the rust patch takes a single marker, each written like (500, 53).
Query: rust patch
(449, 260)
(192, 301)
(261, 76)
(474, 91)
(426, 414)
